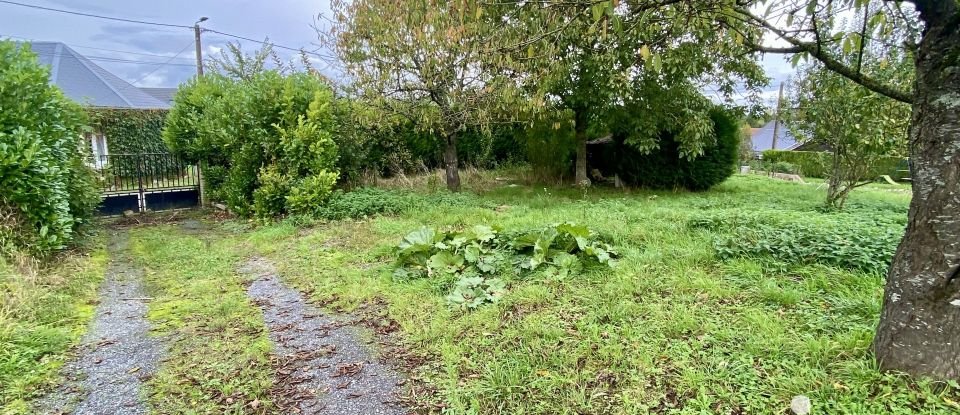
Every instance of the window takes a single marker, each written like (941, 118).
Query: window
(98, 145)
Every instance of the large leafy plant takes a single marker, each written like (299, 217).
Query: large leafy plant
(479, 257)
(267, 139)
(48, 191)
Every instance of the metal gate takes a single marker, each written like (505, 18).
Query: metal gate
(147, 181)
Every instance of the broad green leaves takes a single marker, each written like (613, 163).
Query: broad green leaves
(46, 189)
(481, 256)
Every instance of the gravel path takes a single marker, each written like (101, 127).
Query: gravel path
(118, 354)
(323, 365)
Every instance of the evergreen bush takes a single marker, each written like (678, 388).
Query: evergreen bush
(261, 138)
(48, 189)
(665, 168)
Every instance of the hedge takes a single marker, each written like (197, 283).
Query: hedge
(664, 167)
(48, 191)
(817, 163)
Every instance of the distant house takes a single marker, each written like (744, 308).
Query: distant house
(763, 138)
(102, 92)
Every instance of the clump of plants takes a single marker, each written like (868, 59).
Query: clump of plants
(845, 241)
(478, 260)
(48, 191)
(266, 141)
(370, 201)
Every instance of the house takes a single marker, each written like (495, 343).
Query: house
(102, 92)
(763, 138)
(162, 94)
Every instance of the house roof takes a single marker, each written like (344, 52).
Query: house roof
(83, 81)
(762, 138)
(162, 94)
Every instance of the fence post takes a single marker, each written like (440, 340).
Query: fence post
(203, 193)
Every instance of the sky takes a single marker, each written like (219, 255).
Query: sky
(165, 56)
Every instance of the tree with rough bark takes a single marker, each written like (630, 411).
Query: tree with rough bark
(421, 59)
(858, 126)
(920, 321)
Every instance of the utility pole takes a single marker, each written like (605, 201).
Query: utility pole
(196, 37)
(776, 122)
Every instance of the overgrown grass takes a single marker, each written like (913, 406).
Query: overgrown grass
(218, 361)
(673, 329)
(44, 310)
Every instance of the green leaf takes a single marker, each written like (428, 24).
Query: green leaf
(446, 262)
(484, 233)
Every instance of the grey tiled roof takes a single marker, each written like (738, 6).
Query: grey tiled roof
(762, 138)
(162, 94)
(83, 81)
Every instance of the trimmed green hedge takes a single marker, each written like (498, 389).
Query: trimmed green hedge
(664, 167)
(133, 131)
(817, 163)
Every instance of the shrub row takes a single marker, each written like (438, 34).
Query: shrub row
(817, 163)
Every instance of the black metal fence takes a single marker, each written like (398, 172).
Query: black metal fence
(138, 182)
(148, 171)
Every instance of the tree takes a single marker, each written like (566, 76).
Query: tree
(421, 59)
(920, 321)
(595, 56)
(857, 125)
(234, 63)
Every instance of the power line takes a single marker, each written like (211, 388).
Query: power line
(119, 60)
(126, 52)
(165, 63)
(267, 43)
(166, 25)
(95, 15)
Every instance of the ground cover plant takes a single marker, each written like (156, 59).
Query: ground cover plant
(478, 257)
(44, 310)
(678, 326)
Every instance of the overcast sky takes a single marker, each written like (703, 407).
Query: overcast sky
(286, 22)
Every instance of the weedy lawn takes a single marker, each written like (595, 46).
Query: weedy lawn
(730, 301)
(44, 310)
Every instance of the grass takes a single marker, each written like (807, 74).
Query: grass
(44, 310)
(218, 360)
(673, 329)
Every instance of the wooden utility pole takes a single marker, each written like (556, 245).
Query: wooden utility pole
(196, 38)
(776, 120)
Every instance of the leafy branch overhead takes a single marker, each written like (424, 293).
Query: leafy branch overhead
(479, 256)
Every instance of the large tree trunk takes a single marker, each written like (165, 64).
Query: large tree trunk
(919, 331)
(580, 130)
(450, 162)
